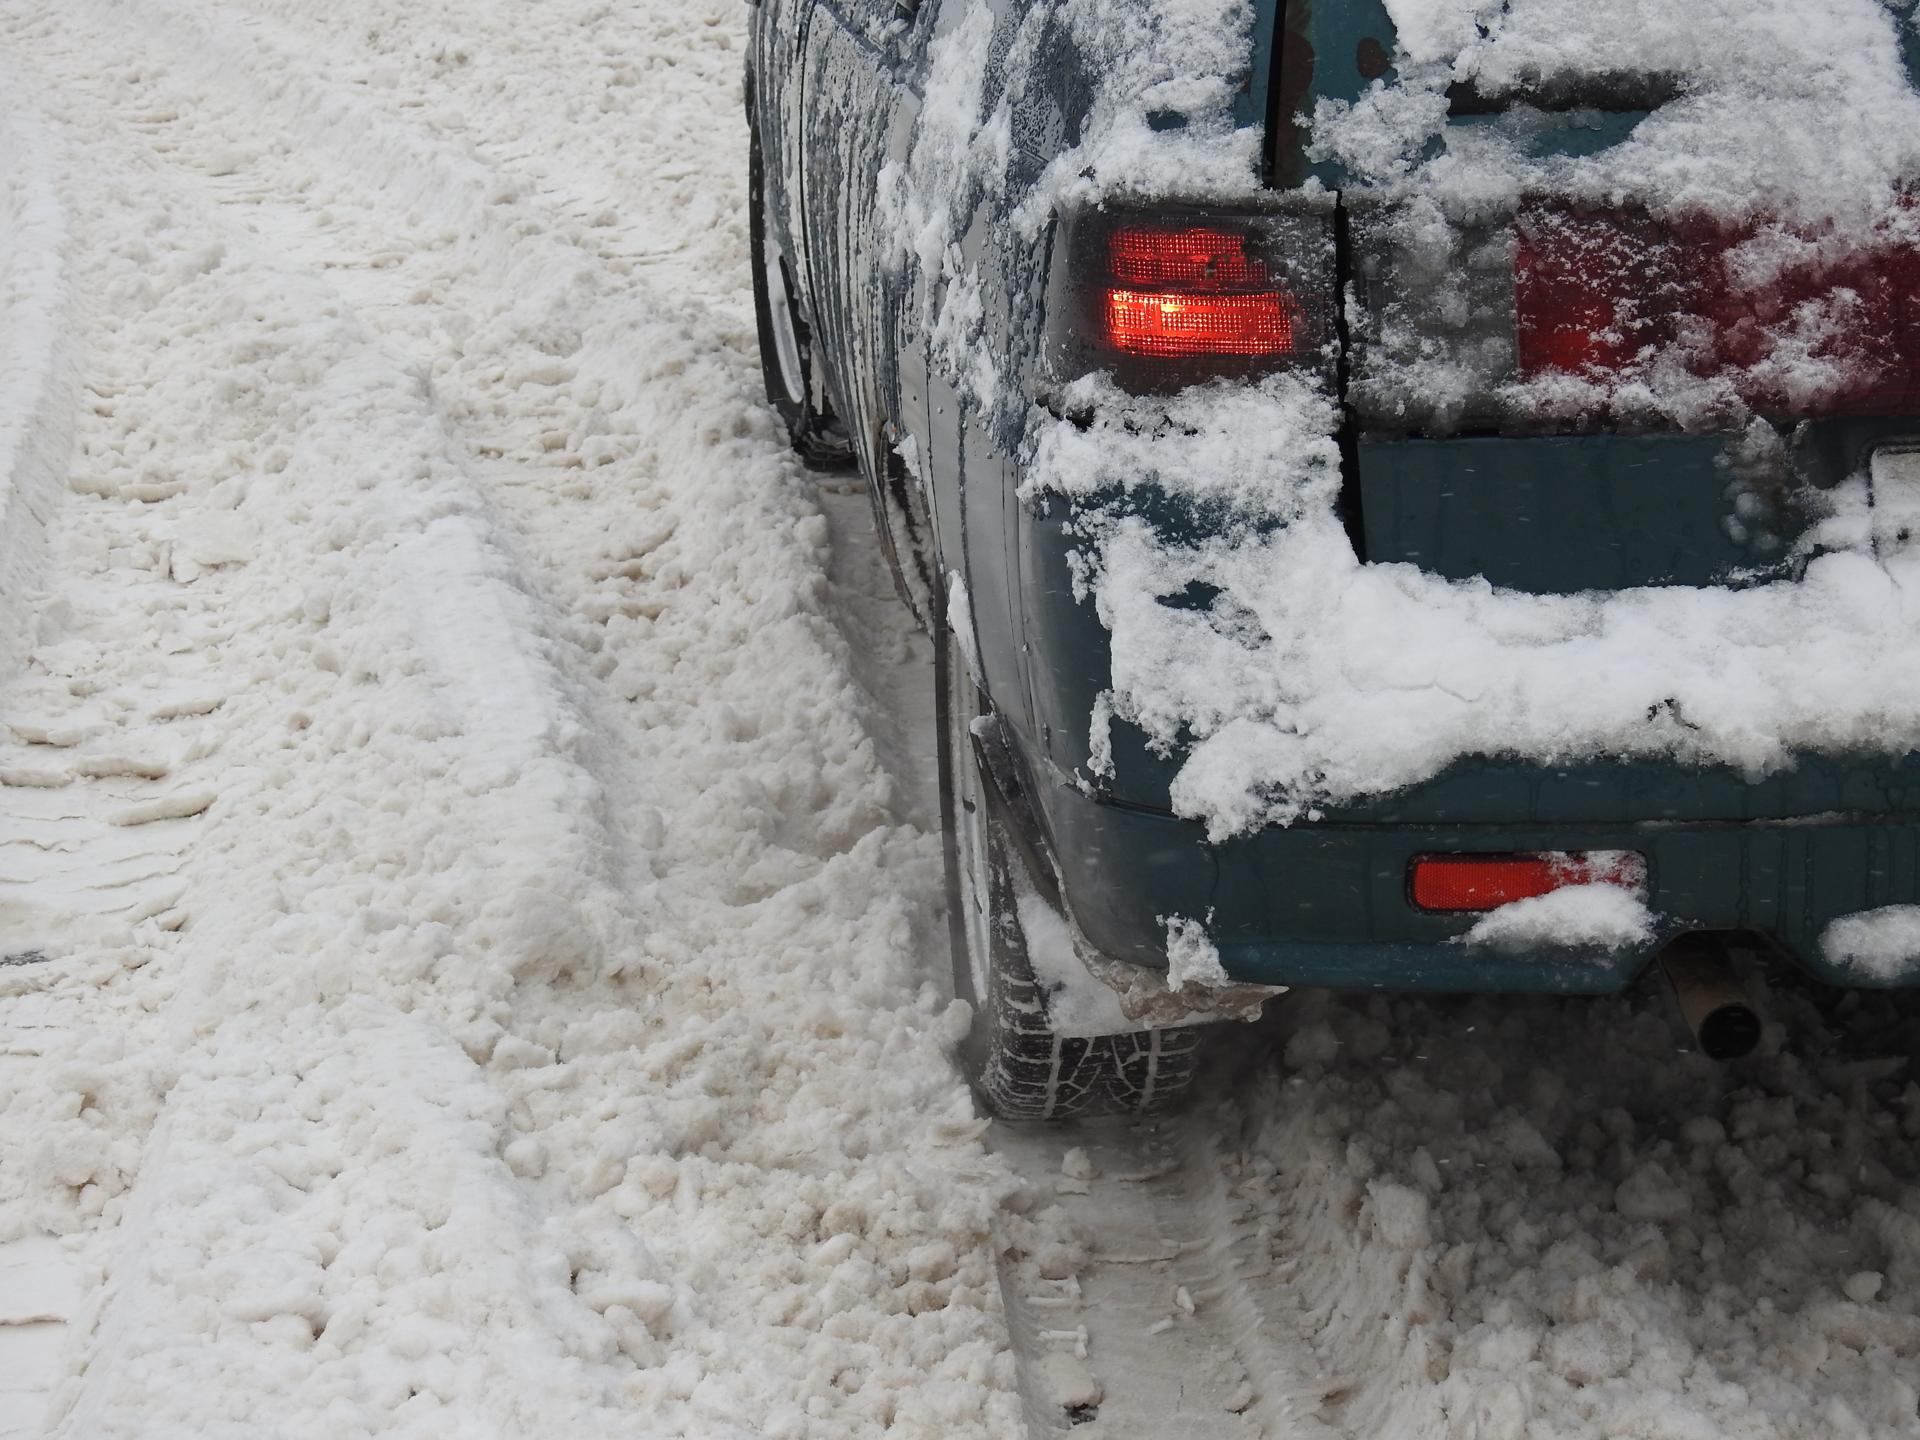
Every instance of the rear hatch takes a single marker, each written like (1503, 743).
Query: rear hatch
(1559, 394)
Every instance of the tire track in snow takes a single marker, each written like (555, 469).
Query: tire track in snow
(444, 612)
(36, 392)
(1165, 1322)
(100, 790)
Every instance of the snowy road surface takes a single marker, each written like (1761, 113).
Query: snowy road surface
(468, 902)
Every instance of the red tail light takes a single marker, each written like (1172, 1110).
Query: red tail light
(1485, 882)
(1160, 323)
(1587, 296)
(1169, 299)
(1187, 258)
(1599, 295)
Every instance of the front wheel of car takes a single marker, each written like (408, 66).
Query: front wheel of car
(1022, 1068)
(789, 368)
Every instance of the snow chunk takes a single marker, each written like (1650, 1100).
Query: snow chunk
(1192, 958)
(1652, 1194)
(1078, 1004)
(1881, 944)
(1862, 1286)
(1400, 1215)
(1431, 29)
(1590, 1351)
(1575, 917)
(1068, 1381)
(220, 540)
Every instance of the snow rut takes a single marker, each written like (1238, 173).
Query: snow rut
(1163, 1325)
(36, 392)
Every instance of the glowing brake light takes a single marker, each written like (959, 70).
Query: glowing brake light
(1486, 882)
(1166, 298)
(1195, 291)
(1194, 257)
(1156, 323)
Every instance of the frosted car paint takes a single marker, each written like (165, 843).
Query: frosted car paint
(1322, 902)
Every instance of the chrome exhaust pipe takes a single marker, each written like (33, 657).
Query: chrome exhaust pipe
(1723, 1021)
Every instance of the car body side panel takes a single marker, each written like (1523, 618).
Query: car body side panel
(860, 105)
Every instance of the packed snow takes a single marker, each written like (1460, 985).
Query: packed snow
(1501, 1221)
(471, 957)
(1800, 108)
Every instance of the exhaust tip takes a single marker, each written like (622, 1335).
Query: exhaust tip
(1711, 999)
(1729, 1033)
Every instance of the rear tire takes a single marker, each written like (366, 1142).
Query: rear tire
(1021, 1067)
(789, 367)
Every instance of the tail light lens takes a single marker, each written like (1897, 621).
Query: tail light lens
(1590, 299)
(1179, 326)
(1792, 325)
(1601, 295)
(1459, 883)
(1168, 299)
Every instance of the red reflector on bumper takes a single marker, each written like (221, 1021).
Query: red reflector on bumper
(1486, 882)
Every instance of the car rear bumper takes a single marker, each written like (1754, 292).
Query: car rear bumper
(1328, 904)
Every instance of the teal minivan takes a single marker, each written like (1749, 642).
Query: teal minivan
(956, 285)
